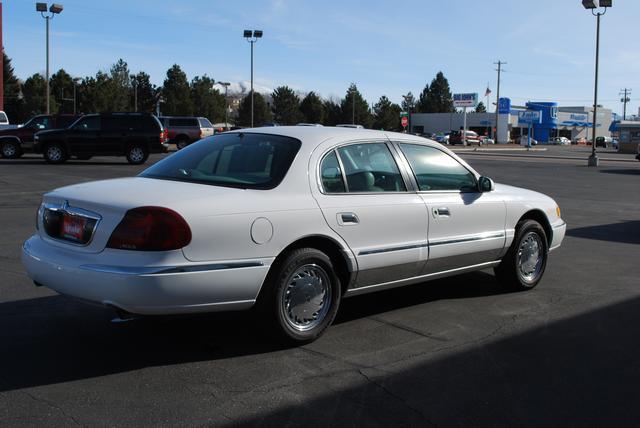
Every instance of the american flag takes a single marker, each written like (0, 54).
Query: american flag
(487, 92)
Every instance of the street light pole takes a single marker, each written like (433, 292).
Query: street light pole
(592, 5)
(252, 37)
(226, 103)
(53, 10)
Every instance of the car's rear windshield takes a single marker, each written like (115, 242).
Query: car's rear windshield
(244, 160)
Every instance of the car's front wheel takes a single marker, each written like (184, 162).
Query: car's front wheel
(55, 153)
(10, 150)
(302, 296)
(181, 143)
(137, 155)
(524, 264)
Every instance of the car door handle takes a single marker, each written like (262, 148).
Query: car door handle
(441, 212)
(350, 218)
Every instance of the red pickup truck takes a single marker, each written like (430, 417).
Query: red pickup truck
(183, 130)
(14, 142)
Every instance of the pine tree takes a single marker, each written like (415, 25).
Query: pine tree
(13, 102)
(33, 91)
(176, 93)
(386, 114)
(261, 111)
(355, 109)
(312, 108)
(286, 106)
(147, 92)
(207, 101)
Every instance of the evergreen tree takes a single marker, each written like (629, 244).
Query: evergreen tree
(207, 101)
(355, 109)
(33, 91)
(147, 93)
(424, 101)
(386, 114)
(440, 93)
(436, 97)
(408, 102)
(176, 93)
(480, 108)
(261, 111)
(119, 89)
(13, 102)
(61, 87)
(312, 108)
(286, 106)
(333, 113)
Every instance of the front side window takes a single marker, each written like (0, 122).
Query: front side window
(91, 123)
(244, 160)
(436, 170)
(40, 122)
(370, 167)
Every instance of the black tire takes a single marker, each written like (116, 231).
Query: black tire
(281, 289)
(137, 154)
(181, 143)
(54, 153)
(10, 150)
(522, 273)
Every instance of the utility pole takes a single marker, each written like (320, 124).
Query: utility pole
(499, 70)
(624, 100)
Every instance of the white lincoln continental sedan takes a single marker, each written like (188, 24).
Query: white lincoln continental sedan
(289, 220)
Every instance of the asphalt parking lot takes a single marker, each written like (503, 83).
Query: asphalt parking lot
(452, 352)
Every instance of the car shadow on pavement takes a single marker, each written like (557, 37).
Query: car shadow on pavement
(578, 371)
(627, 232)
(56, 339)
(627, 171)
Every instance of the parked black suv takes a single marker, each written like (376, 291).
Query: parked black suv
(14, 142)
(133, 135)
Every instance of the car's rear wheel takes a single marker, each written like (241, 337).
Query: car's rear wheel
(10, 150)
(181, 143)
(55, 153)
(137, 154)
(302, 296)
(524, 264)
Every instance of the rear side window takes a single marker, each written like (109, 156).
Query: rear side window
(331, 174)
(204, 123)
(3, 117)
(185, 122)
(89, 123)
(436, 170)
(370, 168)
(244, 160)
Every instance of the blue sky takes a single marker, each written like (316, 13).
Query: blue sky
(386, 48)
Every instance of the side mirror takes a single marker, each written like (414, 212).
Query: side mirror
(485, 184)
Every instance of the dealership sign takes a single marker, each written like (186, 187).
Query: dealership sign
(465, 100)
(529, 117)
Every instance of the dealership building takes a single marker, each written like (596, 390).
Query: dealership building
(569, 122)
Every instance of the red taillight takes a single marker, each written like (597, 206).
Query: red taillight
(151, 229)
(164, 136)
(201, 134)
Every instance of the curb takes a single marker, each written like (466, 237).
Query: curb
(488, 153)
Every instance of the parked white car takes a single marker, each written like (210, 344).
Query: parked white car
(292, 219)
(562, 141)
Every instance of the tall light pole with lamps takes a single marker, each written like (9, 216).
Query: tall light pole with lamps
(226, 103)
(252, 37)
(593, 5)
(53, 10)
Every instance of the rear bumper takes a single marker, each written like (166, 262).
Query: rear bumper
(150, 289)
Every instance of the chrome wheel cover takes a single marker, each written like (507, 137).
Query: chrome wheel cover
(54, 153)
(8, 150)
(306, 298)
(530, 257)
(136, 154)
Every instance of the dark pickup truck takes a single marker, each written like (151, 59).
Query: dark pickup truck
(134, 135)
(17, 141)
